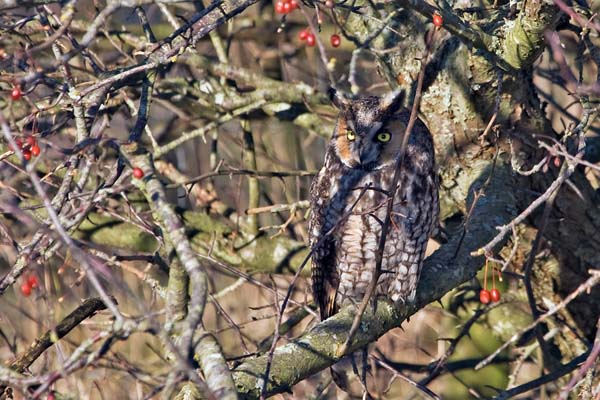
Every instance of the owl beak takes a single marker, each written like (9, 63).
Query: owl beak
(354, 162)
(365, 157)
(362, 157)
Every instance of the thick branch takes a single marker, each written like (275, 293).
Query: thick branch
(523, 40)
(266, 88)
(173, 230)
(209, 355)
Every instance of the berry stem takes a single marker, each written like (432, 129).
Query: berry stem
(493, 277)
(485, 274)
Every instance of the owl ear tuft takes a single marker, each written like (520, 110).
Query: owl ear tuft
(391, 101)
(338, 98)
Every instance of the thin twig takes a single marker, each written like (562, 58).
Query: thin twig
(427, 392)
(276, 208)
(440, 364)
(589, 363)
(554, 375)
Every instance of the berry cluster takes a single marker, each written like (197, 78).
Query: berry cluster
(485, 295)
(285, 6)
(28, 148)
(308, 36)
(30, 283)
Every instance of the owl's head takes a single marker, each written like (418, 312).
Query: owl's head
(368, 133)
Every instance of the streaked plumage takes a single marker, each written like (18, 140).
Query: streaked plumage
(345, 227)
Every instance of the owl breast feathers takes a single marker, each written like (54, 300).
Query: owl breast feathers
(349, 204)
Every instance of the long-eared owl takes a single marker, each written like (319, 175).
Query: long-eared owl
(349, 204)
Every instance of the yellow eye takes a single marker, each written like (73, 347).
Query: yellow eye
(350, 135)
(384, 137)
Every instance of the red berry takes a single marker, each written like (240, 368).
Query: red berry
(35, 150)
(32, 281)
(437, 20)
(138, 173)
(335, 40)
(51, 396)
(287, 8)
(303, 35)
(495, 294)
(484, 296)
(294, 4)
(27, 154)
(30, 140)
(310, 39)
(25, 289)
(557, 161)
(16, 93)
(279, 7)
(329, 4)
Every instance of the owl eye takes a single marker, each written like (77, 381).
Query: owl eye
(350, 135)
(384, 137)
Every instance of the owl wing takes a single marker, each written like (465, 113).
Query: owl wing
(420, 192)
(325, 277)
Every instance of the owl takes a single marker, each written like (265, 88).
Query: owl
(349, 201)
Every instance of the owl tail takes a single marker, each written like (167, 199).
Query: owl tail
(350, 375)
